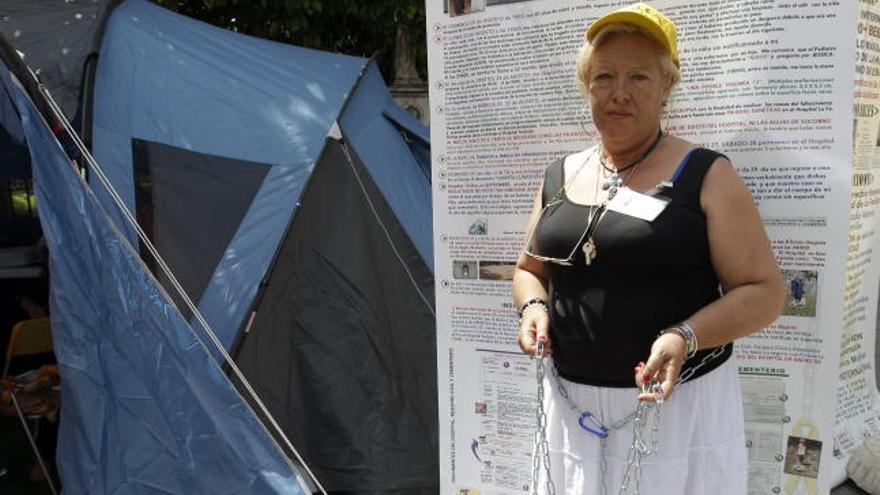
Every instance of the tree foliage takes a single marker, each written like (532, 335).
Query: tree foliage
(364, 28)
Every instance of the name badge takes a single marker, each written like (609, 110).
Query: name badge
(636, 204)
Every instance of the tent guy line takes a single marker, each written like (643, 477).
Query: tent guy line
(360, 182)
(219, 149)
(33, 443)
(117, 200)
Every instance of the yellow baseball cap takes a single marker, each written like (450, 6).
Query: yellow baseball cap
(646, 17)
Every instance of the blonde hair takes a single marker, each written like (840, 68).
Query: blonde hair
(667, 66)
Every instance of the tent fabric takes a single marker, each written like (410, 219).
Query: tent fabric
(418, 143)
(146, 409)
(168, 79)
(407, 122)
(10, 123)
(342, 347)
(15, 162)
(326, 244)
(199, 205)
(388, 158)
(13, 153)
(75, 27)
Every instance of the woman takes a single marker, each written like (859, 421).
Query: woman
(645, 256)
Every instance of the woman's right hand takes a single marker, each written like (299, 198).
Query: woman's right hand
(533, 327)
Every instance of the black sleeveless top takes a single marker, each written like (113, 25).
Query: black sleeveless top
(646, 276)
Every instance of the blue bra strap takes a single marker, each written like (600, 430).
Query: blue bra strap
(681, 165)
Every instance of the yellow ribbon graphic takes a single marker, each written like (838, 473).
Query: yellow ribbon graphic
(793, 480)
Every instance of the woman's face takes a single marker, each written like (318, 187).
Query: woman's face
(626, 90)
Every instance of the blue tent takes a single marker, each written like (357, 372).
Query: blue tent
(146, 410)
(168, 80)
(290, 197)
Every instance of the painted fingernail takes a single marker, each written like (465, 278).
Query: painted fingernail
(646, 377)
(542, 338)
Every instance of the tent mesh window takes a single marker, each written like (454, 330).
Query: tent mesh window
(193, 202)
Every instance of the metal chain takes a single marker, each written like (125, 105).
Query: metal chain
(688, 373)
(638, 449)
(541, 454)
(641, 417)
(563, 391)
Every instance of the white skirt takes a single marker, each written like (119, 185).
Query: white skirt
(702, 446)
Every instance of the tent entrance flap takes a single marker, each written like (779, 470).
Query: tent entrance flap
(190, 205)
(347, 318)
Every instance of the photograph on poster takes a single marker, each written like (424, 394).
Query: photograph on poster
(800, 292)
(479, 227)
(464, 269)
(496, 270)
(461, 7)
(802, 457)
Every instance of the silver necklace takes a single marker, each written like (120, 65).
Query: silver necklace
(612, 184)
(615, 181)
(596, 212)
(565, 186)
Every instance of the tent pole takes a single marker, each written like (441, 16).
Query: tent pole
(30, 437)
(50, 111)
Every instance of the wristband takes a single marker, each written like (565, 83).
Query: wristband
(686, 332)
(533, 302)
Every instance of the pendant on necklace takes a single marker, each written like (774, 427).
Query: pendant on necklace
(590, 251)
(612, 185)
(611, 193)
(612, 182)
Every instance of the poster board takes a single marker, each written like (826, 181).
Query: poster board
(759, 85)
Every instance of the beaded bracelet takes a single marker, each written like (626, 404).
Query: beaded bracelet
(686, 332)
(533, 302)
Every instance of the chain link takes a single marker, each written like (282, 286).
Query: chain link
(708, 358)
(541, 453)
(638, 449)
(640, 418)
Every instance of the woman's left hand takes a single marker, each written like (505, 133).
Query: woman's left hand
(664, 365)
